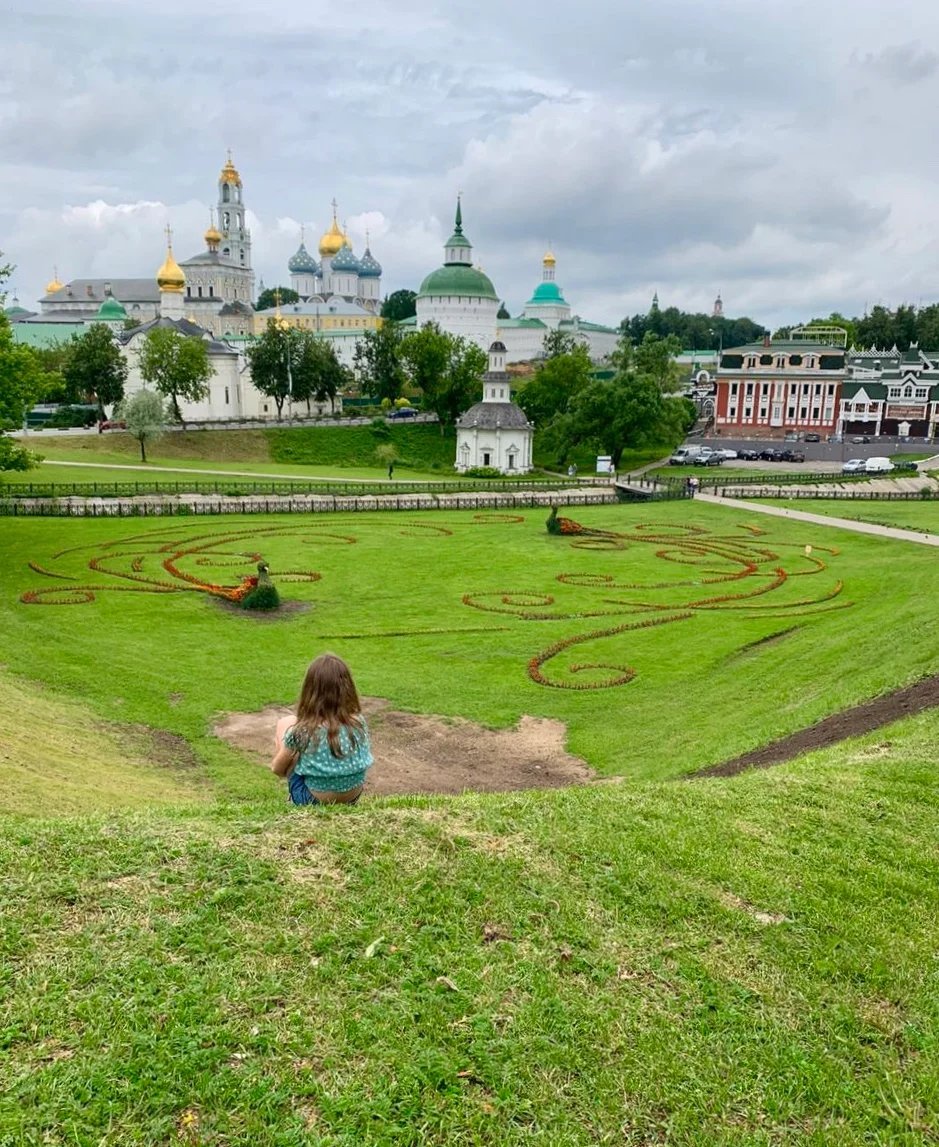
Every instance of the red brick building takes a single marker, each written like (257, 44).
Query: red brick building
(769, 389)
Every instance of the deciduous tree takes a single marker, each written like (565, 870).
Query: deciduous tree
(95, 368)
(177, 366)
(16, 457)
(145, 415)
(270, 296)
(22, 379)
(317, 373)
(378, 362)
(399, 305)
(556, 382)
(271, 360)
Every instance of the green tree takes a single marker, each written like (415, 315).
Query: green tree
(270, 295)
(145, 415)
(95, 368)
(6, 270)
(317, 373)
(557, 342)
(555, 384)
(655, 358)
(445, 368)
(23, 382)
(271, 360)
(177, 366)
(16, 457)
(399, 305)
(378, 362)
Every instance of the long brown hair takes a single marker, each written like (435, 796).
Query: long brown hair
(329, 700)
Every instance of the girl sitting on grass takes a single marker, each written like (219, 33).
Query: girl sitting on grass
(324, 752)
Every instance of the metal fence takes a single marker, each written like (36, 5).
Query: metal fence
(159, 507)
(236, 487)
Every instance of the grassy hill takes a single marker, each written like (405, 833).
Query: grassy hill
(744, 962)
(651, 959)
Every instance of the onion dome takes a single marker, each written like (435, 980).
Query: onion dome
(111, 311)
(458, 279)
(302, 262)
(549, 259)
(170, 276)
(229, 173)
(369, 266)
(345, 260)
(212, 236)
(547, 292)
(333, 239)
(54, 285)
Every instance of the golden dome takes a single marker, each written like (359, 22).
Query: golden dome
(212, 236)
(549, 259)
(230, 173)
(170, 276)
(54, 285)
(333, 239)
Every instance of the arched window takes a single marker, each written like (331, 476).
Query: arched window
(226, 195)
(226, 220)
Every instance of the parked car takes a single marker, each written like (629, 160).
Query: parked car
(404, 412)
(905, 466)
(111, 424)
(709, 457)
(792, 436)
(748, 455)
(878, 466)
(726, 453)
(770, 455)
(792, 456)
(861, 438)
(853, 466)
(813, 437)
(685, 456)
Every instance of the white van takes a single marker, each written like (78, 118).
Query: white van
(685, 456)
(878, 466)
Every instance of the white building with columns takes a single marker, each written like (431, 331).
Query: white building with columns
(495, 432)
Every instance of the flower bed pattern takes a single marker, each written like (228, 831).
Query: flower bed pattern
(748, 571)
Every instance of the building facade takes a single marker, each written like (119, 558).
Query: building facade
(769, 389)
(339, 274)
(495, 432)
(891, 392)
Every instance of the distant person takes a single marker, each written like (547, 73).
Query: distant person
(391, 469)
(572, 471)
(325, 751)
(693, 483)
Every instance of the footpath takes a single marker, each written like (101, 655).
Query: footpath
(894, 532)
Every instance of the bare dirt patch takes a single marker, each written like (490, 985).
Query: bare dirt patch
(864, 718)
(420, 754)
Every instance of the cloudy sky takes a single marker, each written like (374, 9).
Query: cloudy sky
(784, 154)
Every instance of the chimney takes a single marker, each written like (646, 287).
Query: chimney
(89, 291)
(766, 339)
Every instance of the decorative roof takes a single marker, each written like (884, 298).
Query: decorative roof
(111, 311)
(547, 293)
(302, 262)
(54, 285)
(369, 266)
(458, 279)
(494, 416)
(229, 173)
(212, 236)
(549, 259)
(170, 276)
(333, 239)
(344, 260)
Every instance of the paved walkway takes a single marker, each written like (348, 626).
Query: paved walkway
(894, 532)
(209, 474)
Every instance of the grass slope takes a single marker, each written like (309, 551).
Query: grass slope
(745, 962)
(58, 757)
(922, 516)
(396, 598)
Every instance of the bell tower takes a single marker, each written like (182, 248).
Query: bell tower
(235, 244)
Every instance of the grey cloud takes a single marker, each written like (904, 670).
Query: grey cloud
(902, 64)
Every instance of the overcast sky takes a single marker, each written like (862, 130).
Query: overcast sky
(784, 154)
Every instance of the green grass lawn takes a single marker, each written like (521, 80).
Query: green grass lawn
(922, 516)
(745, 962)
(486, 618)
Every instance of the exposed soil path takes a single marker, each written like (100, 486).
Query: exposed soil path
(851, 722)
(420, 754)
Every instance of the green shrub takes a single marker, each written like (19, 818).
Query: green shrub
(264, 596)
(483, 472)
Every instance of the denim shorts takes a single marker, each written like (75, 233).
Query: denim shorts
(300, 793)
